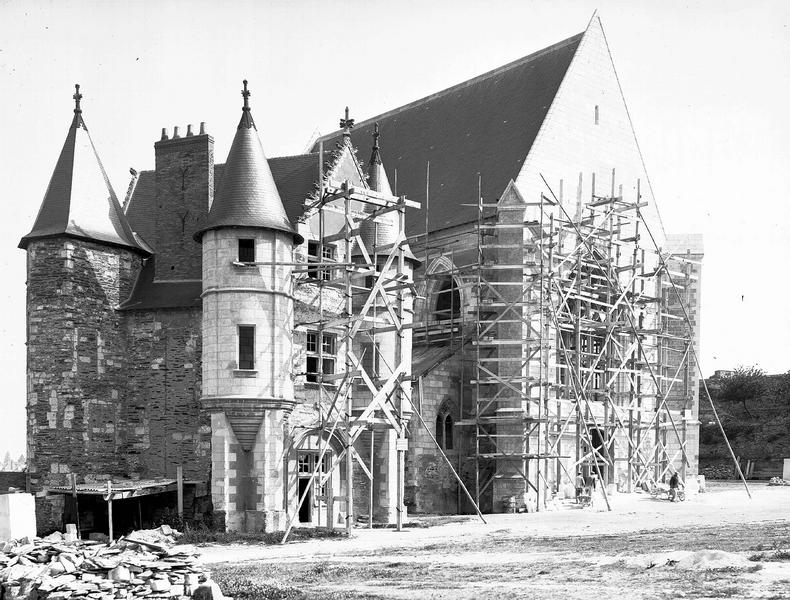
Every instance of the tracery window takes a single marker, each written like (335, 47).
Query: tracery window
(444, 430)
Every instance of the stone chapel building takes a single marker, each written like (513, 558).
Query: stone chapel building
(169, 333)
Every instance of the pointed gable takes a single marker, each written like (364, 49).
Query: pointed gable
(485, 125)
(79, 201)
(247, 195)
(587, 143)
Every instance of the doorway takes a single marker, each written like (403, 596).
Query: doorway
(316, 501)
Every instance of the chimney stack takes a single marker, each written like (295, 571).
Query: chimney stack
(202, 128)
(175, 133)
(189, 130)
(164, 133)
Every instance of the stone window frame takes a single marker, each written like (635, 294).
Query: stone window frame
(445, 423)
(239, 365)
(329, 342)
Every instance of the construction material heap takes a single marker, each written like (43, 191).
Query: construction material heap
(143, 564)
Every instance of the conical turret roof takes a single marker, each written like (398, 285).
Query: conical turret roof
(247, 195)
(377, 177)
(80, 201)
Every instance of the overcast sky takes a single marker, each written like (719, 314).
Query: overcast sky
(707, 85)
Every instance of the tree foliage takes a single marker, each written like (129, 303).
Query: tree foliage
(745, 386)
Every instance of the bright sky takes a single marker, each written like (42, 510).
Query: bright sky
(707, 84)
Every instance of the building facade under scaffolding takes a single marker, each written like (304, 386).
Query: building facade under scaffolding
(487, 296)
(556, 321)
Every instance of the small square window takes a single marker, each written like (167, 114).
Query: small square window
(246, 250)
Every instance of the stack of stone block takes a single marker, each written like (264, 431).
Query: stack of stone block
(143, 564)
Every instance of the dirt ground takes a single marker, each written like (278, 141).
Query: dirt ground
(719, 544)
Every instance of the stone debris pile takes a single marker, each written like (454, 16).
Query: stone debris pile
(778, 481)
(145, 564)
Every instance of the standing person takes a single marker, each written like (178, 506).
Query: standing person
(579, 485)
(673, 487)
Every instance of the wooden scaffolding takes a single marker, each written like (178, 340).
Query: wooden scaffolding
(372, 282)
(582, 348)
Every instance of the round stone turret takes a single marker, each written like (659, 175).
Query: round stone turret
(247, 244)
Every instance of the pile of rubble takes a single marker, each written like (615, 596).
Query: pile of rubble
(144, 564)
(778, 481)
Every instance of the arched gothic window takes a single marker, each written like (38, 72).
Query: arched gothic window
(444, 430)
(448, 301)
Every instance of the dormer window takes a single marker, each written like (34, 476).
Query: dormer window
(327, 254)
(246, 251)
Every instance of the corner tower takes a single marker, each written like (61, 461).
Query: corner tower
(247, 328)
(82, 260)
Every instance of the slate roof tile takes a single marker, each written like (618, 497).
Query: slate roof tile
(485, 125)
(79, 201)
(247, 195)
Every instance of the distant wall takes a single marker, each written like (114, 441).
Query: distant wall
(12, 479)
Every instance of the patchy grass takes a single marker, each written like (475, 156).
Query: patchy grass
(572, 568)
(207, 536)
(775, 556)
(570, 579)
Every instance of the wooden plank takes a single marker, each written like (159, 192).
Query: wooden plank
(343, 234)
(109, 510)
(180, 491)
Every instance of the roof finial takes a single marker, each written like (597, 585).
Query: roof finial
(347, 124)
(375, 154)
(246, 94)
(246, 114)
(77, 97)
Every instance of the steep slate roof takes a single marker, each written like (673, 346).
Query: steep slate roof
(296, 178)
(384, 231)
(247, 195)
(459, 133)
(80, 201)
(149, 294)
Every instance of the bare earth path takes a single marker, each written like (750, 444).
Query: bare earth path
(644, 548)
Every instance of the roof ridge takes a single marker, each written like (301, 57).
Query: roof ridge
(476, 79)
(297, 155)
